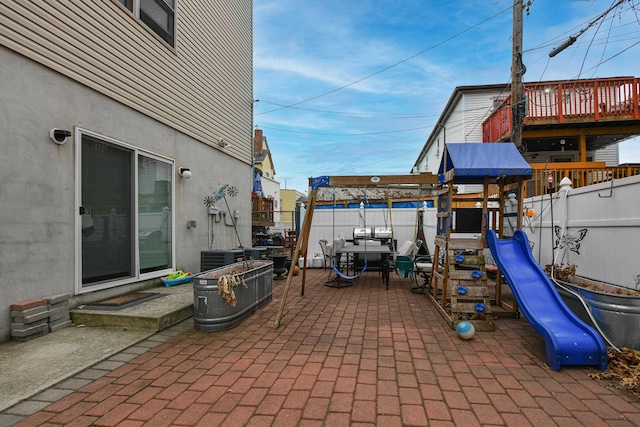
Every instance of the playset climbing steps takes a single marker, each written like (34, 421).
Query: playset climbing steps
(467, 284)
(460, 286)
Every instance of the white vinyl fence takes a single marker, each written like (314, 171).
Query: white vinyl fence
(596, 228)
(328, 224)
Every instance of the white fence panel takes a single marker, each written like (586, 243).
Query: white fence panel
(332, 223)
(596, 228)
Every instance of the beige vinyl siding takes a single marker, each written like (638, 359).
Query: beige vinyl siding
(202, 88)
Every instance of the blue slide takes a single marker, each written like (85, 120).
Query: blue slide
(568, 340)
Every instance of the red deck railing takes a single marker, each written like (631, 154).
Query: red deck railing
(567, 102)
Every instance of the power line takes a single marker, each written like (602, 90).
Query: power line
(356, 115)
(391, 66)
(346, 134)
(572, 39)
(373, 115)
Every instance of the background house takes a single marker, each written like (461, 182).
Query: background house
(263, 160)
(280, 203)
(289, 218)
(554, 138)
(144, 96)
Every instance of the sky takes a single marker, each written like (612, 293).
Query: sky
(355, 87)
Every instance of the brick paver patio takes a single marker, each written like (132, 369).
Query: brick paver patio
(359, 356)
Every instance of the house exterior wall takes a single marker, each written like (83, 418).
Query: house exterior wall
(90, 66)
(460, 122)
(262, 155)
(477, 107)
(610, 155)
(271, 189)
(267, 168)
(289, 198)
(433, 155)
(202, 88)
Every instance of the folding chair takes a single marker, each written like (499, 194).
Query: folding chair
(423, 267)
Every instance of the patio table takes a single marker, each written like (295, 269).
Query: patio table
(355, 251)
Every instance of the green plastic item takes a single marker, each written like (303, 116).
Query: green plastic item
(404, 266)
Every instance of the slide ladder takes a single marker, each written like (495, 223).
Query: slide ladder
(568, 340)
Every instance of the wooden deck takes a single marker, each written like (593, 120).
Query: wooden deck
(596, 103)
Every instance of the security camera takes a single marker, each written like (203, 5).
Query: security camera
(59, 136)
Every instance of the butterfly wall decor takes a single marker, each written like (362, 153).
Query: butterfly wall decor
(571, 241)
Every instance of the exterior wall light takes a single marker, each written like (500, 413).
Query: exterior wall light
(59, 136)
(185, 173)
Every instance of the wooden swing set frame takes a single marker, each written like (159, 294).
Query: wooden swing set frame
(368, 181)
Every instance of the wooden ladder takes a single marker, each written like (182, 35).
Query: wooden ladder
(464, 279)
(470, 299)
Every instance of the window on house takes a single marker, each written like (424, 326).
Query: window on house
(158, 15)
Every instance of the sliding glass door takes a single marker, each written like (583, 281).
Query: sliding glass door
(126, 213)
(154, 214)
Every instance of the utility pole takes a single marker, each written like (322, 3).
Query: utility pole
(517, 68)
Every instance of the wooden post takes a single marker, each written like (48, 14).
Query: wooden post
(517, 107)
(499, 231)
(485, 210)
(582, 142)
(301, 247)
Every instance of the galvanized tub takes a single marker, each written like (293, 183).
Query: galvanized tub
(617, 316)
(211, 313)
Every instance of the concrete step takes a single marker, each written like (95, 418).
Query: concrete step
(172, 305)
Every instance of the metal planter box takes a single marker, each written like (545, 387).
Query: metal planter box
(618, 316)
(212, 313)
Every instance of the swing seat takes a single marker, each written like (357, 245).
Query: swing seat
(404, 266)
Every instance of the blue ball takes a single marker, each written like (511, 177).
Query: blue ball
(465, 330)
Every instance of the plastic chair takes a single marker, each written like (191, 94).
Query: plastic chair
(329, 252)
(423, 268)
(408, 248)
(325, 255)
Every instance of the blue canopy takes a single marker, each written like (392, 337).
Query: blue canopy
(478, 160)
